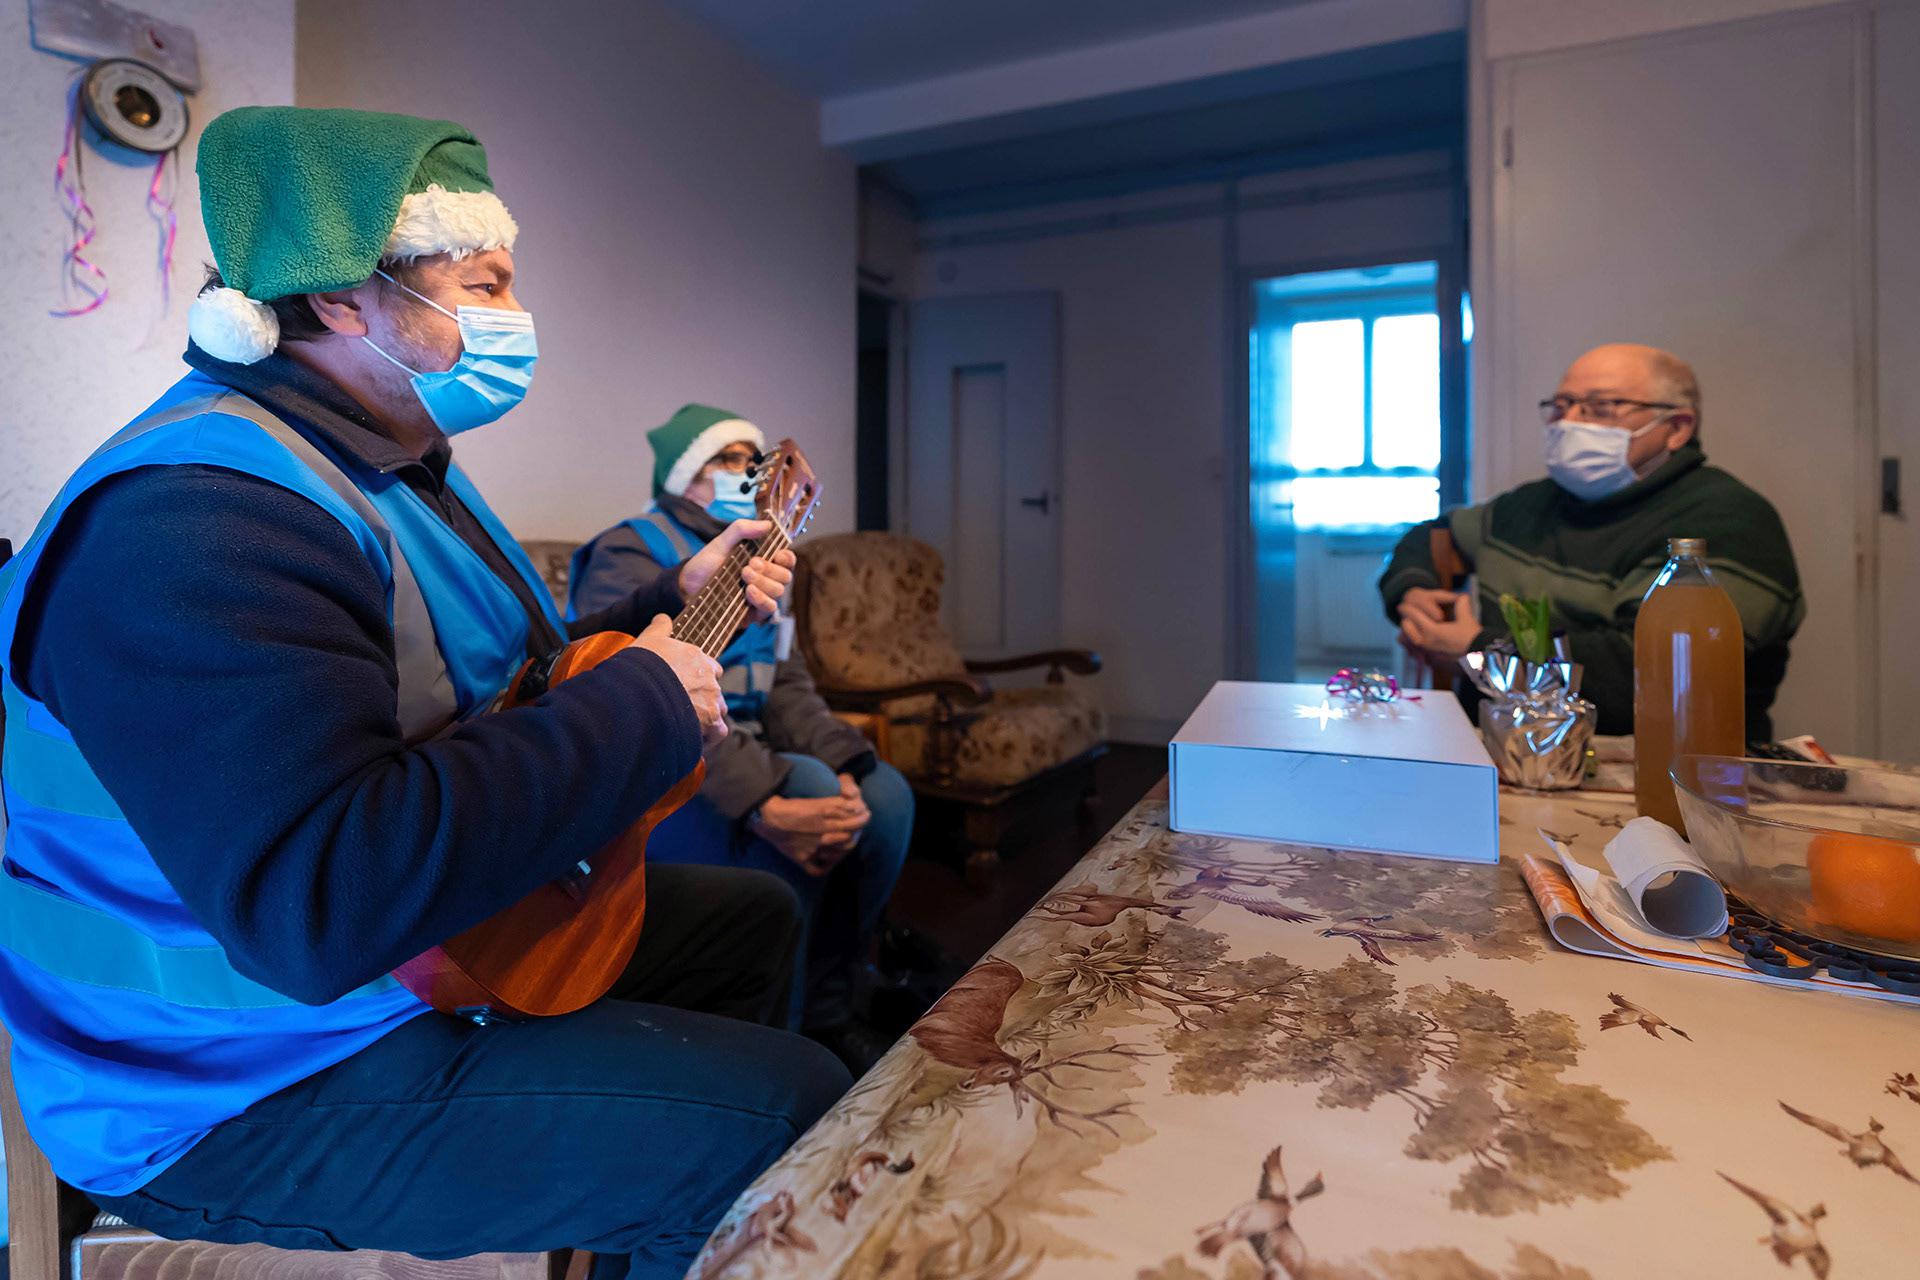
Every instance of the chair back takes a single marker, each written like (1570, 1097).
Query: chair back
(553, 559)
(866, 611)
(33, 1193)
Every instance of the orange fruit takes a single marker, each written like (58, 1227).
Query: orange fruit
(1866, 885)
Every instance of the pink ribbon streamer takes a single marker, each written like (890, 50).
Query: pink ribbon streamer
(81, 272)
(161, 207)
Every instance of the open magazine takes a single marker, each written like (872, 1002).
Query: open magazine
(1589, 919)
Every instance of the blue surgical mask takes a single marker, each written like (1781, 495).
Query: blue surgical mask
(729, 504)
(1589, 461)
(491, 376)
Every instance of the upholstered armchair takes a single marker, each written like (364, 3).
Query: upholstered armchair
(552, 559)
(866, 608)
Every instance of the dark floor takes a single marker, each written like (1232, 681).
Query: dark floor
(933, 897)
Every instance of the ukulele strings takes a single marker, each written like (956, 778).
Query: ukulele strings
(700, 623)
(708, 623)
(720, 609)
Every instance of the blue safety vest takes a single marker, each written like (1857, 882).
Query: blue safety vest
(133, 1033)
(748, 664)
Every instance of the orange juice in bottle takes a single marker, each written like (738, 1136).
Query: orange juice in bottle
(1689, 677)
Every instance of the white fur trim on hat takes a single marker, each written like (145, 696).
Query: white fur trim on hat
(228, 325)
(457, 222)
(709, 442)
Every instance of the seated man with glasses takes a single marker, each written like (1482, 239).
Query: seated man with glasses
(1626, 472)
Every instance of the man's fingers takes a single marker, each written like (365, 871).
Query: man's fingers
(744, 531)
(838, 820)
(661, 625)
(762, 570)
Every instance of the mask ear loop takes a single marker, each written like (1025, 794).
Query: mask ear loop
(1660, 459)
(389, 359)
(416, 293)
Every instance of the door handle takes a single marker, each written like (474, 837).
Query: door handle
(1041, 503)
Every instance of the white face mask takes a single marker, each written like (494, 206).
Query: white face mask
(1589, 461)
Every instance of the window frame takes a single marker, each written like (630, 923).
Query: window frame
(1276, 317)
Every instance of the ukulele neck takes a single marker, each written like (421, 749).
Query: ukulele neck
(715, 614)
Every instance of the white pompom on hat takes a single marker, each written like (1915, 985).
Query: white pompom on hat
(228, 325)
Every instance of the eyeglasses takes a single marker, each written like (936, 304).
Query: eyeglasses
(1604, 409)
(735, 459)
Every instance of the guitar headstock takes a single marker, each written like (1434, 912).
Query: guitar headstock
(786, 490)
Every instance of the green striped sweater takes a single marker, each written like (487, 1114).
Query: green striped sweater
(1597, 559)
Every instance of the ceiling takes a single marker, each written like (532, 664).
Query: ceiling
(1403, 110)
(827, 48)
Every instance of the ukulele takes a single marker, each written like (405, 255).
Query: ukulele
(562, 946)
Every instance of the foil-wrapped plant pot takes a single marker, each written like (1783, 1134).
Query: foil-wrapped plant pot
(1539, 743)
(1536, 725)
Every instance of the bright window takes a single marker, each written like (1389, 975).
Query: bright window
(1346, 397)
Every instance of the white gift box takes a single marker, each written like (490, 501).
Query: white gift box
(1289, 762)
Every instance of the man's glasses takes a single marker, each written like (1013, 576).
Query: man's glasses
(1602, 409)
(735, 459)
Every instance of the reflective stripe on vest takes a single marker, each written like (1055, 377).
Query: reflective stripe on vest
(668, 544)
(458, 634)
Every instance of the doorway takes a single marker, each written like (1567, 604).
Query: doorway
(873, 410)
(1354, 432)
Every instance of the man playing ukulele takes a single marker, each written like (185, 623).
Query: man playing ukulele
(249, 659)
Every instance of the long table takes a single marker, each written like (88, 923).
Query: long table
(1231, 1060)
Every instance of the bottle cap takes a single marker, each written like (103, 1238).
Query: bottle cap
(1688, 547)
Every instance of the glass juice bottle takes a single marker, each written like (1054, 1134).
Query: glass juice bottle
(1689, 677)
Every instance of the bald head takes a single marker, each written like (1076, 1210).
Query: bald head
(1633, 371)
(1636, 372)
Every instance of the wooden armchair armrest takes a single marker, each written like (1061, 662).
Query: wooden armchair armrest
(963, 690)
(1082, 662)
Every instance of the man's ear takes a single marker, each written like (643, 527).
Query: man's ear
(340, 311)
(1685, 423)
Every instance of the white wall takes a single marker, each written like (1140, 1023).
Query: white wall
(684, 236)
(65, 385)
(1145, 381)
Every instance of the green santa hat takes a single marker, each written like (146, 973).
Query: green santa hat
(298, 200)
(686, 441)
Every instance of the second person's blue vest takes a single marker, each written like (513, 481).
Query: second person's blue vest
(748, 664)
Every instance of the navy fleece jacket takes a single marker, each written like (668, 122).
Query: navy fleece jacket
(219, 648)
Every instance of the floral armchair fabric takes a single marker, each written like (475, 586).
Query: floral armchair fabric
(551, 559)
(867, 608)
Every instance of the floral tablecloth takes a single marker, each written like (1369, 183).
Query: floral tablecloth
(1224, 1059)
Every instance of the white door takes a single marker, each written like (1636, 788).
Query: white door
(1897, 276)
(1699, 191)
(983, 487)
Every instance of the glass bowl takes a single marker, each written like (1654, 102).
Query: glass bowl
(1830, 850)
